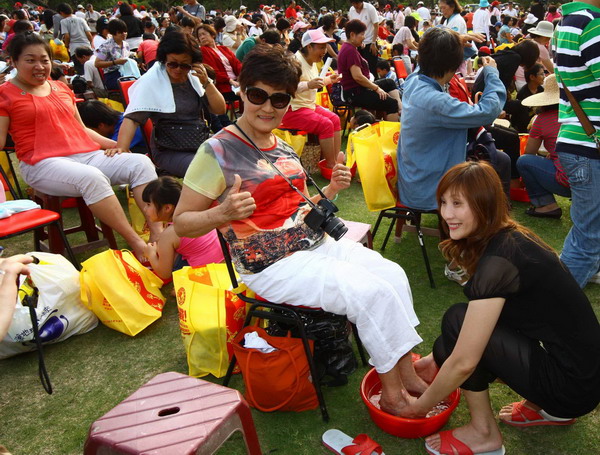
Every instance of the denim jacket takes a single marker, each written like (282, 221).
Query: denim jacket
(434, 133)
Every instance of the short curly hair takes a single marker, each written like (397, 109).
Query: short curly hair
(272, 66)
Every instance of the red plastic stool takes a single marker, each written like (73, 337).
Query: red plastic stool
(88, 225)
(173, 414)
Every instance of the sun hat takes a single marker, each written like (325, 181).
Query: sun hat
(483, 4)
(550, 95)
(543, 28)
(495, 3)
(299, 26)
(315, 37)
(230, 23)
(531, 19)
(485, 50)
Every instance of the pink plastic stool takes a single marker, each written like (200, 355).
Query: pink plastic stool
(359, 232)
(173, 414)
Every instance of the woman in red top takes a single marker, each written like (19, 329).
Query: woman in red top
(58, 154)
(227, 67)
(544, 177)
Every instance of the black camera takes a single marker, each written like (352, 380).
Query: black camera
(322, 217)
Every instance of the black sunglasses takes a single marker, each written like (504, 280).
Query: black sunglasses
(258, 96)
(175, 65)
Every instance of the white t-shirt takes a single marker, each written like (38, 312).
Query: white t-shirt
(97, 41)
(424, 13)
(481, 22)
(368, 16)
(91, 74)
(457, 23)
(510, 12)
(76, 28)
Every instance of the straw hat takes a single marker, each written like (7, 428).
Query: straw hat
(550, 95)
(543, 28)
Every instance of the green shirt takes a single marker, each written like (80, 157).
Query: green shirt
(577, 44)
(245, 47)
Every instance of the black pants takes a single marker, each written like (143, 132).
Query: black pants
(371, 59)
(507, 140)
(507, 356)
(368, 99)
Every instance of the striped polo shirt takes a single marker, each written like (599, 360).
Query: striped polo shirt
(577, 44)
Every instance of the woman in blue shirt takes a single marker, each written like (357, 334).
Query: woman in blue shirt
(434, 124)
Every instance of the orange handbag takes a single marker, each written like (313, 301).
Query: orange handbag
(279, 380)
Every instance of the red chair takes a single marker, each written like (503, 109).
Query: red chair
(124, 84)
(400, 68)
(33, 220)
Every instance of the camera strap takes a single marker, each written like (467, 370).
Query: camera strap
(31, 302)
(289, 182)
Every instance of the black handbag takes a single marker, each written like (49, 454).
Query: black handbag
(180, 135)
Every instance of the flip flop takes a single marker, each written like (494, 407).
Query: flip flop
(522, 416)
(451, 445)
(342, 444)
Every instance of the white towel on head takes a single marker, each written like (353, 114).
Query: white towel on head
(155, 92)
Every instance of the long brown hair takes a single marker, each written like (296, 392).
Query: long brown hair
(479, 185)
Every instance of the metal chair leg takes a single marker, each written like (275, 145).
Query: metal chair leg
(313, 369)
(389, 232)
(359, 345)
(67, 245)
(424, 250)
(379, 218)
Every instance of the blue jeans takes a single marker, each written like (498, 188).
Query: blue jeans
(581, 251)
(539, 175)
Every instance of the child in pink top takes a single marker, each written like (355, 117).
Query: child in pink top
(160, 197)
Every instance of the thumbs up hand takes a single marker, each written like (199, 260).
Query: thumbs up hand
(238, 205)
(340, 174)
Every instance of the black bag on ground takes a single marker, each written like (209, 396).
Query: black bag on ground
(334, 356)
(180, 135)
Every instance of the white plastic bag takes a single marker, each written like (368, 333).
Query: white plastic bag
(60, 313)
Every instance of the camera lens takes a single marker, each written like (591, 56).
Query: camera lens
(335, 228)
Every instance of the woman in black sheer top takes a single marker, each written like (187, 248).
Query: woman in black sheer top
(527, 322)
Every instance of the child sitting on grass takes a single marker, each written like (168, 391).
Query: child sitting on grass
(161, 197)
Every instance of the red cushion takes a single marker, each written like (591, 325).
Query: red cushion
(20, 222)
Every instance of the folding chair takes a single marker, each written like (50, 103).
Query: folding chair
(33, 220)
(285, 314)
(124, 84)
(369, 145)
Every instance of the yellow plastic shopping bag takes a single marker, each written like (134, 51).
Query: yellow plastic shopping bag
(297, 141)
(138, 220)
(210, 316)
(369, 157)
(123, 293)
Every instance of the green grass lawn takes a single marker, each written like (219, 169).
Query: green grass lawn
(92, 373)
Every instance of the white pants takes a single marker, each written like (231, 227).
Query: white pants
(88, 175)
(346, 278)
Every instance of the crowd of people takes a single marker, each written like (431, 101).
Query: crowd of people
(472, 82)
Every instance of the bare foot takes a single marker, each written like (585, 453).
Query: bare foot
(395, 406)
(478, 441)
(426, 368)
(506, 411)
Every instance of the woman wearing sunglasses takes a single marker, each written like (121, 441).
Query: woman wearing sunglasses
(176, 92)
(236, 184)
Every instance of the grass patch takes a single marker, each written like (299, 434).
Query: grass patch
(92, 373)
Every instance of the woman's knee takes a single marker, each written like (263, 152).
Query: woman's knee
(452, 320)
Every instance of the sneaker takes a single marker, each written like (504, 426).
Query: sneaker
(458, 275)
(595, 278)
